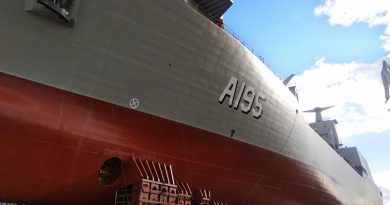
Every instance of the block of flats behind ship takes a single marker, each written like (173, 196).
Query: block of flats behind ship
(153, 80)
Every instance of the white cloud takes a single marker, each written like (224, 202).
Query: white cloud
(348, 12)
(356, 91)
(382, 179)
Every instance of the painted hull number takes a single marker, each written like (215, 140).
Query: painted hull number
(247, 98)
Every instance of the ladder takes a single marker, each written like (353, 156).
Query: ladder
(123, 196)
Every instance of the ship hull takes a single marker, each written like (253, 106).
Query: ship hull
(65, 108)
(53, 144)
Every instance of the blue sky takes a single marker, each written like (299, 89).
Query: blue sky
(291, 37)
(336, 48)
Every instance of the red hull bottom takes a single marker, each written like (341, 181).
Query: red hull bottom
(53, 143)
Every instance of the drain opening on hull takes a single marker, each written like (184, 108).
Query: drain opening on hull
(110, 171)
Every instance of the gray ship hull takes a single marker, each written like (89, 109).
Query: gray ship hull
(178, 66)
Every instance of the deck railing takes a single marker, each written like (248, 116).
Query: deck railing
(244, 43)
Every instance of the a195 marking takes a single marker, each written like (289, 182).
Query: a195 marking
(247, 98)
